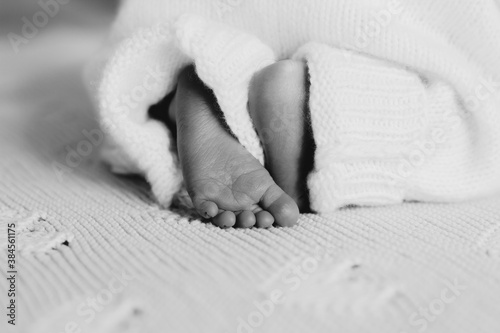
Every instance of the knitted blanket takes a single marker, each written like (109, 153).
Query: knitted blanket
(403, 100)
(96, 253)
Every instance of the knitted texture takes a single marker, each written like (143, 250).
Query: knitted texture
(402, 99)
(96, 251)
(226, 61)
(365, 117)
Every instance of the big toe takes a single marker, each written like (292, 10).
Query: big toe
(281, 206)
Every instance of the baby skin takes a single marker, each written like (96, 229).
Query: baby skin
(225, 182)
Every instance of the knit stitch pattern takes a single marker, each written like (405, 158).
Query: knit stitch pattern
(90, 235)
(403, 111)
(366, 270)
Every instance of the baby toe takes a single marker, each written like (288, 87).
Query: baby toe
(226, 219)
(246, 219)
(264, 219)
(207, 209)
(281, 206)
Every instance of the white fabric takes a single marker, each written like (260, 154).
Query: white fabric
(404, 100)
(368, 269)
(378, 268)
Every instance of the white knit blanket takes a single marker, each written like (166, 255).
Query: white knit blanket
(96, 253)
(403, 100)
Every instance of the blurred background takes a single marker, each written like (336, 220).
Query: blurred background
(43, 33)
(44, 45)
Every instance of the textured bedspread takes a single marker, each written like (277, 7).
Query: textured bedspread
(96, 254)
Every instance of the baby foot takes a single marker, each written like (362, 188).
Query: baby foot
(224, 180)
(278, 105)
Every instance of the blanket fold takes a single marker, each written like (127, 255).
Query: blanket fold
(384, 132)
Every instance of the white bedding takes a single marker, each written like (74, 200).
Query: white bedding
(363, 270)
